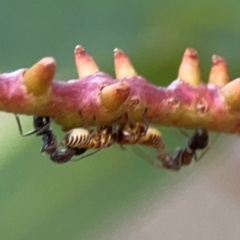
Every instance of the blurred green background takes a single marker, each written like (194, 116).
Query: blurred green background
(112, 190)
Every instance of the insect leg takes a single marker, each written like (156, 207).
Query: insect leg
(146, 123)
(88, 155)
(165, 160)
(197, 159)
(85, 123)
(49, 143)
(20, 128)
(130, 121)
(34, 131)
(172, 161)
(146, 157)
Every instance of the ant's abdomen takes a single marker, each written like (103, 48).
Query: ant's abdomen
(152, 138)
(76, 138)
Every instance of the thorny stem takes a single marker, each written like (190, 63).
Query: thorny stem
(186, 103)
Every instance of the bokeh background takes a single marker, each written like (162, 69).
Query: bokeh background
(115, 194)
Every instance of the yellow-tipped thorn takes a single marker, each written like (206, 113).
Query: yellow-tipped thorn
(123, 66)
(231, 93)
(37, 79)
(113, 96)
(219, 72)
(84, 63)
(189, 68)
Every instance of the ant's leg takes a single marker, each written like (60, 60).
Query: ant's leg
(88, 155)
(36, 130)
(85, 123)
(197, 159)
(20, 128)
(211, 144)
(147, 158)
(130, 121)
(123, 119)
(122, 147)
(179, 132)
(96, 123)
(146, 123)
(20, 125)
(49, 143)
(172, 161)
(144, 118)
(114, 128)
(184, 133)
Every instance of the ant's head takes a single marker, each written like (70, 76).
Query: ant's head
(200, 138)
(40, 122)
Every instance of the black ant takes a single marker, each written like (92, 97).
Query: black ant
(78, 140)
(138, 133)
(174, 161)
(49, 146)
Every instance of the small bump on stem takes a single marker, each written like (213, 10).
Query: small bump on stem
(123, 66)
(219, 72)
(114, 95)
(231, 93)
(84, 63)
(189, 68)
(37, 79)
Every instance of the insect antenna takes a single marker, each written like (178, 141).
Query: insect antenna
(87, 155)
(147, 157)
